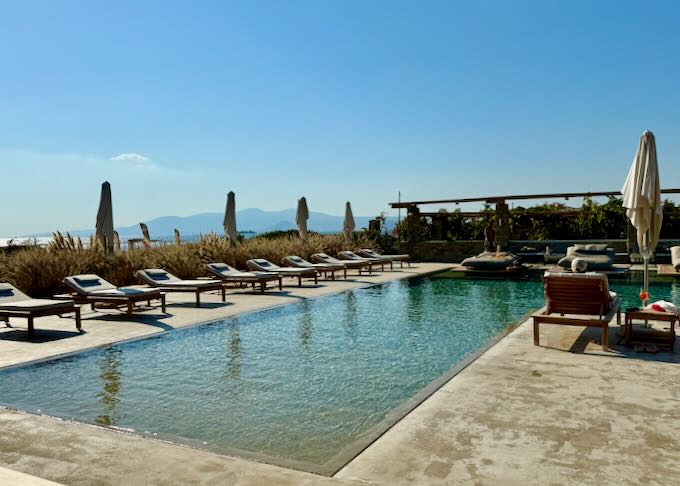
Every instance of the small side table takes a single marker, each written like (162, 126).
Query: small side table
(646, 315)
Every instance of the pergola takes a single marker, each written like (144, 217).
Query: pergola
(502, 212)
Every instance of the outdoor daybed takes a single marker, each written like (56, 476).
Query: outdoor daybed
(92, 289)
(595, 257)
(368, 253)
(359, 265)
(351, 256)
(167, 282)
(14, 303)
(325, 268)
(229, 274)
(492, 261)
(581, 299)
(262, 265)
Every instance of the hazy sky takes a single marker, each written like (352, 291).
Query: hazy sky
(176, 103)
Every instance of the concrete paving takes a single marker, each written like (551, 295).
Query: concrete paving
(562, 413)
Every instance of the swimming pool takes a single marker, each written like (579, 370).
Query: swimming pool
(305, 385)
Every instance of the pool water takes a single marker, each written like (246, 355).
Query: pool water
(296, 383)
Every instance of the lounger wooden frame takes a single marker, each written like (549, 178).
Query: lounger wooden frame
(302, 273)
(374, 261)
(198, 290)
(261, 280)
(126, 301)
(31, 314)
(350, 264)
(567, 296)
(322, 268)
(395, 258)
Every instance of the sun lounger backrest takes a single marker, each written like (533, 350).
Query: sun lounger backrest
(581, 294)
(157, 275)
(265, 264)
(352, 255)
(370, 253)
(9, 293)
(219, 267)
(326, 258)
(87, 283)
(297, 259)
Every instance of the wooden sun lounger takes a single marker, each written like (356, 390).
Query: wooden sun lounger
(167, 282)
(368, 253)
(14, 303)
(262, 265)
(578, 300)
(351, 256)
(92, 289)
(356, 264)
(229, 274)
(325, 268)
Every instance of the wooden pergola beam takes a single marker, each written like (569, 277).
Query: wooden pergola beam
(496, 199)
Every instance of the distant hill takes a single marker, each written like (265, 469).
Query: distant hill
(251, 219)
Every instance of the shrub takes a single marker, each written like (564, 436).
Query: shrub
(39, 271)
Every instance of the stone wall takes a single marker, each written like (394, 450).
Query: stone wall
(456, 251)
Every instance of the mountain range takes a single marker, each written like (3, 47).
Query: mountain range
(247, 220)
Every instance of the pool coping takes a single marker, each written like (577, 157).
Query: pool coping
(338, 461)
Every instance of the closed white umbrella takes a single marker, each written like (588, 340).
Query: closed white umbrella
(301, 217)
(349, 225)
(642, 200)
(230, 218)
(104, 228)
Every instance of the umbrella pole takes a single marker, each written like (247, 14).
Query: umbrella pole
(645, 282)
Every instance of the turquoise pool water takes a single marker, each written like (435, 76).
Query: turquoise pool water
(299, 382)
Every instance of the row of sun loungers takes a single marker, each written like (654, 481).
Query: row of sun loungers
(90, 289)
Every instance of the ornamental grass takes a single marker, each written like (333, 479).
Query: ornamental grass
(39, 271)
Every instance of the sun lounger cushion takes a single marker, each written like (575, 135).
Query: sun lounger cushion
(161, 278)
(594, 262)
(226, 271)
(491, 261)
(266, 265)
(591, 249)
(675, 257)
(9, 293)
(86, 284)
(12, 299)
(124, 291)
(35, 304)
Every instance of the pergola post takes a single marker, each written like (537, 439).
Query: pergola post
(501, 225)
(413, 224)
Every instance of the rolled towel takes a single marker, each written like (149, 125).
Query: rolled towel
(579, 265)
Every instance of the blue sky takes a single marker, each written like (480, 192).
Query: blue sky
(176, 103)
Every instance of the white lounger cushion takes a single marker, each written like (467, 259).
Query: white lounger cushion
(299, 262)
(12, 298)
(160, 278)
(88, 283)
(35, 304)
(226, 271)
(124, 291)
(9, 293)
(267, 266)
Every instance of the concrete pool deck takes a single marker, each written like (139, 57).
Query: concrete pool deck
(561, 413)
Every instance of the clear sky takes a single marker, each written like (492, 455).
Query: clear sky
(176, 103)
